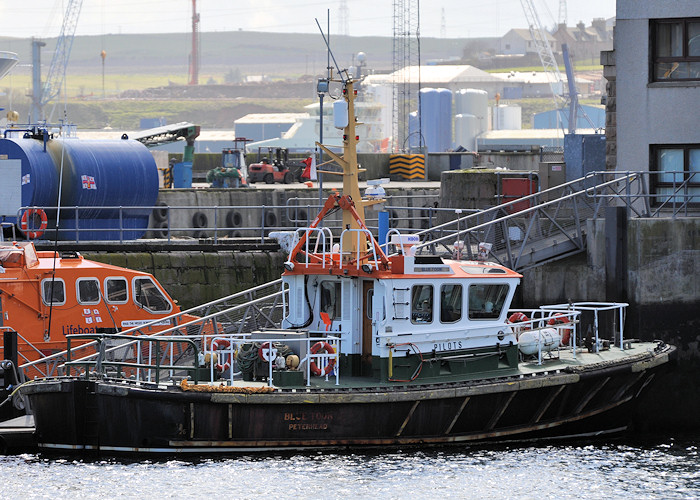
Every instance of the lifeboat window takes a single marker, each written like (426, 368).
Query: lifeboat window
(422, 304)
(116, 290)
(88, 290)
(53, 291)
(149, 296)
(486, 301)
(330, 299)
(450, 303)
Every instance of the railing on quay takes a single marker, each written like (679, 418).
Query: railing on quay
(553, 224)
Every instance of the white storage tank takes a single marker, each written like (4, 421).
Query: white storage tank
(473, 102)
(466, 131)
(506, 117)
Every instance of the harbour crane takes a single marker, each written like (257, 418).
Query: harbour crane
(42, 95)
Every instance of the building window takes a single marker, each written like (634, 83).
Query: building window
(678, 177)
(422, 304)
(675, 49)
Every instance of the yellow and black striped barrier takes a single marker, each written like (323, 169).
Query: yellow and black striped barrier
(167, 176)
(407, 166)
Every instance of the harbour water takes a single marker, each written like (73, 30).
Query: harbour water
(659, 467)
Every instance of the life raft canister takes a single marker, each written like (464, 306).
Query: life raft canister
(24, 223)
(315, 349)
(562, 319)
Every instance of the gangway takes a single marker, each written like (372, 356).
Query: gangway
(554, 227)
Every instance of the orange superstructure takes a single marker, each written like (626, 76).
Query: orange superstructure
(47, 295)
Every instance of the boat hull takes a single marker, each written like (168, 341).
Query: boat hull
(111, 417)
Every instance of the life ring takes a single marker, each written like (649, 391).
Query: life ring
(315, 349)
(216, 345)
(265, 354)
(562, 319)
(33, 233)
(519, 317)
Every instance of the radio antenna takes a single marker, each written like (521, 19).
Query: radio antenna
(340, 73)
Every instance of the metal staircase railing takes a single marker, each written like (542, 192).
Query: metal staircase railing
(542, 227)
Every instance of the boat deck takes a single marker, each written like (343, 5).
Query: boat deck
(562, 361)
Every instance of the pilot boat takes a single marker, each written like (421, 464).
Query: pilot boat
(375, 345)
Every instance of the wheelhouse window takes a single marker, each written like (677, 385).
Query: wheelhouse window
(675, 49)
(450, 303)
(53, 291)
(331, 299)
(149, 296)
(422, 304)
(486, 300)
(116, 290)
(88, 290)
(678, 174)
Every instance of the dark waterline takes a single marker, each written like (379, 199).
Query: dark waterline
(658, 467)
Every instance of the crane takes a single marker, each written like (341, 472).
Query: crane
(59, 62)
(544, 50)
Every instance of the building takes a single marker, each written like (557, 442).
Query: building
(654, 91)
(519, 41)
(586, 42)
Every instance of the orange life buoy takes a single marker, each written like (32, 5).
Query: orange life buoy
(318, 346)
(562, 319)
(216, 345)
(24, 226)
(519, 317)
(264, 352)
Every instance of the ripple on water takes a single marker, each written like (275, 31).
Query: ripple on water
(667, 468)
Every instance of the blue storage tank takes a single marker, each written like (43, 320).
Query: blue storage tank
(39, 185)
(445, 119)
(413, 130)
(96, 174)
(429, 111)
(436, 118)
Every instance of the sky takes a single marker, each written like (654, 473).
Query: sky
(450, 18)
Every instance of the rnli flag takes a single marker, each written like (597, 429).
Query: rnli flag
(88, 182)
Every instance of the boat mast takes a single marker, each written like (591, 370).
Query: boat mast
(351, 170)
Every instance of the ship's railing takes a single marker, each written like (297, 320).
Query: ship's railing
(598, 324)
(253, 309)
(233, 357)
(142, 365)
(167, 359)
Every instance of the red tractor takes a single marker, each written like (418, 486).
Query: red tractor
(275, 167)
